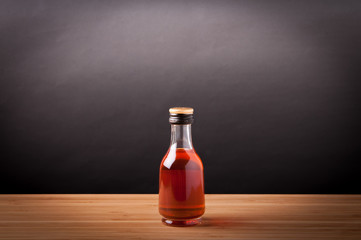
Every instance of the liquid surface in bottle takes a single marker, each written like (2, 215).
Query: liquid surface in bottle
(181, 188)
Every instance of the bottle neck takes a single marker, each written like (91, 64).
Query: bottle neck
(181, 136)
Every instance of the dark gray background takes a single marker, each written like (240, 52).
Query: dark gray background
(86, 86)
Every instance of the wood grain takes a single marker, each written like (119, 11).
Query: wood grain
(136, 217)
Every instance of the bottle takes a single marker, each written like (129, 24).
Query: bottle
(181, 183)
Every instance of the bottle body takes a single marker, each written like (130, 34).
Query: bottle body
(181, 181)
(181, 187)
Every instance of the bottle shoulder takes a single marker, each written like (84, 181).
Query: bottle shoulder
(180, 158)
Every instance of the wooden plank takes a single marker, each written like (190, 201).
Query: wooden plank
(135, 216)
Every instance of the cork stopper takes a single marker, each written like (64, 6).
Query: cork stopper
(181, 110)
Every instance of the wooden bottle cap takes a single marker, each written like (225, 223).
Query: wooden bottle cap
(181, 110)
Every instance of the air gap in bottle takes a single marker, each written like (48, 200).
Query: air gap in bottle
(181, 183)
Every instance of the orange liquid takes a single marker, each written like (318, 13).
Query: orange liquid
(181, 187)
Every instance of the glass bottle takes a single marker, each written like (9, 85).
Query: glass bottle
(181, 184)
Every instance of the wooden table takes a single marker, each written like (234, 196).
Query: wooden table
(136, 217)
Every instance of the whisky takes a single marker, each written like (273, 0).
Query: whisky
(181, 184)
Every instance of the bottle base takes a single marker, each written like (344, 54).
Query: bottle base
(181, 222)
